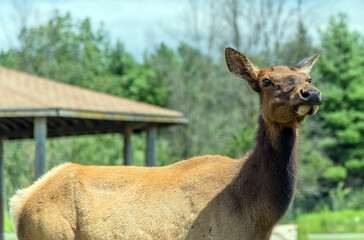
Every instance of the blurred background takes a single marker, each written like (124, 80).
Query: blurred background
(170, 53)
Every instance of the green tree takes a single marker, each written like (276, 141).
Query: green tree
(217, 105)
(63, 50)
(166, 66)
(298, 48)
(342, 78)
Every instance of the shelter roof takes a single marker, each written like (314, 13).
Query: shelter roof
(26, 96)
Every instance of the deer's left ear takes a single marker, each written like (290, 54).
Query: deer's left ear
(306, 64)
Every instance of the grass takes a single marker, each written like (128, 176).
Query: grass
(8, 223)
(8, 226)
(346, 221)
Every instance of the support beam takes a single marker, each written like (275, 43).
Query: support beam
(40, 136)
(128, 153)
(2, 191)
(150, 150)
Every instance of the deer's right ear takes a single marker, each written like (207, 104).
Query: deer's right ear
(240, 66)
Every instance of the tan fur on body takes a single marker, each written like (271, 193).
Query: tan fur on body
(207, 197)
(123, 202)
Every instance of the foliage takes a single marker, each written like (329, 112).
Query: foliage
(241, 142)
(8, 223)
(298, 48)
(166, 66)
(312, 163)
(62, 50)
(205, 92)
(342, 77)
(18, 164)
(338, 196)
(347, 221)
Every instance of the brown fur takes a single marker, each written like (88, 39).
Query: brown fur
(207, 197)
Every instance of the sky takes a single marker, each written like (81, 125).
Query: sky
(142, 24)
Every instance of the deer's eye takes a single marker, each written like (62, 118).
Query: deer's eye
(266, 82)
(310, 80)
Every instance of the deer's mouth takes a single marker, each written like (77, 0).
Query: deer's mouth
(303, 110)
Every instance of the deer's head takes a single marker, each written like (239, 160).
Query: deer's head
(286, 93)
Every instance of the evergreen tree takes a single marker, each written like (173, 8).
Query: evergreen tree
(342, 113)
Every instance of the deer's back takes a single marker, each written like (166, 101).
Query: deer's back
(95, 202)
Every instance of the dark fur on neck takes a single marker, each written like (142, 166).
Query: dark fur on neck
(265, 185)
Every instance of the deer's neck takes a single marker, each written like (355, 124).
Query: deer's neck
(266, 182)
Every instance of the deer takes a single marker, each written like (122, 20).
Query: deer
(205, 197)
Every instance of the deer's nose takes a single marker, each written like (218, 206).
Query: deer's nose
(311, 96)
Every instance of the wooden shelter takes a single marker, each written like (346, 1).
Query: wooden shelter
(35, 107)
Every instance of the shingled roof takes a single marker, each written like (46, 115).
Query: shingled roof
(23, 91)
(24, 95)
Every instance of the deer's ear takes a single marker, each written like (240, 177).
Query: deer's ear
(306, 64)
(240, 66)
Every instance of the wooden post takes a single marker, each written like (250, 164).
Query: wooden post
(150, 150)
(128, 154)
(40, 136)
(2, 191)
